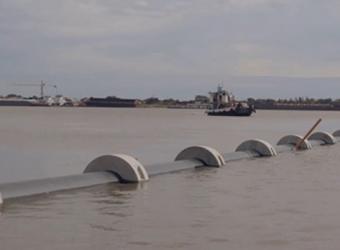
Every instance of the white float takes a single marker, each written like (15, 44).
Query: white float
(261, 147)
(127, 168)
(336, 133)
(326, 137)
(207, 155)
(294, 140)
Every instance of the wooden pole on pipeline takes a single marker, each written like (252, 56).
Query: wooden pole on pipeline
(298, 145)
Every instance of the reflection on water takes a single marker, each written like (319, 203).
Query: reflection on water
(285, 202)
(100, 194)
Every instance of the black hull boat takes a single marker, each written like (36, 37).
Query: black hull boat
(231, 112)
(223, 103)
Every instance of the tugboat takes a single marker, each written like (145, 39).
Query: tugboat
(222, 103)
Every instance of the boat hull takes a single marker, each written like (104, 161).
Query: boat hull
(230, 112)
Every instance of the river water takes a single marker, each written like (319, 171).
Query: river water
(285, 202)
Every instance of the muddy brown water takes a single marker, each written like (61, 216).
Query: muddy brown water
(286, 202)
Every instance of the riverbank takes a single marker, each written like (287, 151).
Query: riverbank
(306, 107)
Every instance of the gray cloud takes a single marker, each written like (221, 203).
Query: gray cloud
(138, 48)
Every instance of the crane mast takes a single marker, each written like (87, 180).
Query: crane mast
(42, 86)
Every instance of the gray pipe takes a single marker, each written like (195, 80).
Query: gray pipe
(41, 186)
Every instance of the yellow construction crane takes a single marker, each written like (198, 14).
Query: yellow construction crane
(42, 86)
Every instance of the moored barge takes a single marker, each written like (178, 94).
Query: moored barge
(110, 102)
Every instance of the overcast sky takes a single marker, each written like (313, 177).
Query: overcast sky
(171, 48)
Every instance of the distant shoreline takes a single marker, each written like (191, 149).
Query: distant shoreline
(302, 107)
(291, 108)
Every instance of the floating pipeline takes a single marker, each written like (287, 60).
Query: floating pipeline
(126, 169)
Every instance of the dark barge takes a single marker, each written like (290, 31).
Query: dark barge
(110, 102)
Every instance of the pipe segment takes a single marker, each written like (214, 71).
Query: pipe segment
(124, 168)
(47, 185)
(239, 155)
(179, 165)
